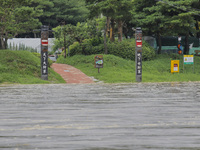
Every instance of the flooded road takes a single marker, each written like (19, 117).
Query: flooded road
(139, 116)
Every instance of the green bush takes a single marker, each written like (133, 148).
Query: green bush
(124, 49)
(75, 49)
(148, 52)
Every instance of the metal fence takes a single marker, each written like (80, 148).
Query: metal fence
(169, 43)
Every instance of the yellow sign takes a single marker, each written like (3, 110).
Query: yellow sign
(174, 66)
(188, 59)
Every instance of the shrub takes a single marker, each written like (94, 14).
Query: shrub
(75, 49)
(124, 49)
(148, 52)
(93, 46)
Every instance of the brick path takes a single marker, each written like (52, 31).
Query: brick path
(71, 74)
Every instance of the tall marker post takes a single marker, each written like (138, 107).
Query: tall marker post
(138, 54)
(44, 52)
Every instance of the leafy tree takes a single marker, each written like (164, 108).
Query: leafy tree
(46, 6)
(59, 12)
(196, 6)
(79, 33)
(114, 10)
(165, 17)
(122, 15)
(16, 17)
(181, 18)
(68, 11)
(147, 14)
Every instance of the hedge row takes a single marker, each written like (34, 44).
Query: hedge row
(124, 49)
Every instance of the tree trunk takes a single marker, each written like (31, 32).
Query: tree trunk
(5, 43)
(65, 54)
(2, 43)
(186, 48)
(108, 26)
(159, 42)
(112, 30)
(125, 30)
(105, 44)
(197, 28)
(120, 30)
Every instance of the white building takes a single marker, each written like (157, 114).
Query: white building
(34, 43)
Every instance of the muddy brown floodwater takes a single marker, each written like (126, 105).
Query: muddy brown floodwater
(141, 116)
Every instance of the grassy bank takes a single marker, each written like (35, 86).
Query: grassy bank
(118, 70)
(23, 67)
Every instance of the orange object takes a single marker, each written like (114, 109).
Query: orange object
(179, 52)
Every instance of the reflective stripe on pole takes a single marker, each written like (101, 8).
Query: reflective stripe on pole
(44, 42)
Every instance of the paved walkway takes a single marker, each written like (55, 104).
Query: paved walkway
(71, 74)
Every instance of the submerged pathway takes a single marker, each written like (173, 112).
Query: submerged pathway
(147, 116)
(71, 74)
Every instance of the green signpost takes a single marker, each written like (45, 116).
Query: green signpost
(98, 62)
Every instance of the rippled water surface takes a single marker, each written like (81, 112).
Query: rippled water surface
(143, 116)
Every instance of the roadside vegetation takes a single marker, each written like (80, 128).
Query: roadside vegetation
(89, 27)
(124, 49)
(119, 70)
(23, 67)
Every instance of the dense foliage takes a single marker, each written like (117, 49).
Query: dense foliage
(17, 16)
(60, 12)
(167, 17)
(124, 49)
(157, 18)
(117, 12)
(68, 34)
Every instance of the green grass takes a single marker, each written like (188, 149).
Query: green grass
(23, 67)
(118, 70)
